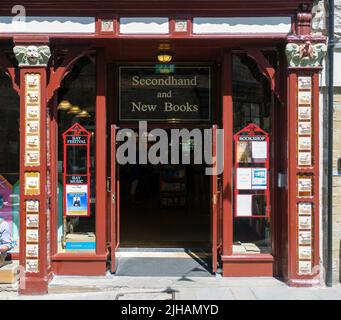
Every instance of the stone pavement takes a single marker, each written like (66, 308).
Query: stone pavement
(110, 287)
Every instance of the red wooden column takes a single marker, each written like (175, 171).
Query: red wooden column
(34, 248)
(305, 55)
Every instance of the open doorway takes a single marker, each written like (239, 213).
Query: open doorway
(165, 205)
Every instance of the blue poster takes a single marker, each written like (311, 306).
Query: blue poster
(258, 178)
(76, 200)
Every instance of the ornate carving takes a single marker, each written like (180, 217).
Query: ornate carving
(305, 54)
(32, 55)
(318, 24)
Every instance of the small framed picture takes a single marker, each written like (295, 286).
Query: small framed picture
(32, 250)
(304, 237)
(304, 83)
(32, 206)
(304, 128)
(305, 208)
(304, 143)
(304, 158)
(32, 266)
(304, 222)
(32, 98)
(32, 112)
(304, 184)
(32, 80)
(32, 126)
(304, 252)
(304, 113)
(304, 97)
(32, 184)
(32, 235)
(304, 267)
(32, 221)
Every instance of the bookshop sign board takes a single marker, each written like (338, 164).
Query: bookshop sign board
(184, 94)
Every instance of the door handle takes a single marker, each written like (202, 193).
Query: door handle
(109, 184)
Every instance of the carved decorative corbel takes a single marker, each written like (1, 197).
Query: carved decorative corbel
(305, 54)
(30, 56)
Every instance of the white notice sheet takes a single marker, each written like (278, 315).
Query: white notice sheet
(244, 205)
(244, 178)
(259, 149)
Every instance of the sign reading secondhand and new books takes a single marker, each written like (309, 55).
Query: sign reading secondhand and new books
(184, 94)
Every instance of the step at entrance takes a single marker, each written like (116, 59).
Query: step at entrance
(158, 262)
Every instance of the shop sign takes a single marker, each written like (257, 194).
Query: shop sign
(183, 93)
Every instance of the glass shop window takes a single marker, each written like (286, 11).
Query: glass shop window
(251, 104)
(9, 157)
(77, 104)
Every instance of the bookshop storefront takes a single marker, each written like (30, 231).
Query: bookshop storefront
(145, 127)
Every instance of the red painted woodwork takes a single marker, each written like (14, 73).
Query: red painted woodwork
(214, 202)
(114, 201)
(34, 283)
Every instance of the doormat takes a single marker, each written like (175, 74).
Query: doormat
(163, 267)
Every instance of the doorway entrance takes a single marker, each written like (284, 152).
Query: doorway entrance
(162, 210)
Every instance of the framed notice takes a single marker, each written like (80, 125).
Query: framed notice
(304, 143)
(32, 250)
(304, 186)
(32, 220)
(259, 149)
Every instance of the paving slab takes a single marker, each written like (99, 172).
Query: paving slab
(243, 293)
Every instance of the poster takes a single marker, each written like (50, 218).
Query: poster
(77, 200)
(243, 152)
(244, 179)
(259, 149)
(259, 178)
(244, 205)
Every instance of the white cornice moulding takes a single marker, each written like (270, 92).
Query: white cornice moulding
(144, 25)
(48, 25)
(241, 25)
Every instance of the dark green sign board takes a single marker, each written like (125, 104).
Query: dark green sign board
(182, 95)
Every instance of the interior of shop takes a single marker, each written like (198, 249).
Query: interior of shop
(165, 205)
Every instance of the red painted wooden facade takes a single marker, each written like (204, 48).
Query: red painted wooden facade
(188, 48)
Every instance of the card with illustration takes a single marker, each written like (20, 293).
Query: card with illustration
(304, 113)
(304, 128)
(304, 222)
(32, 235)
(305, 208)
(304, 252)
(304, 267)
(304, 158)
(32, 221)
(304, 83)
(304, 97)
(304, 237)
(32, 266)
